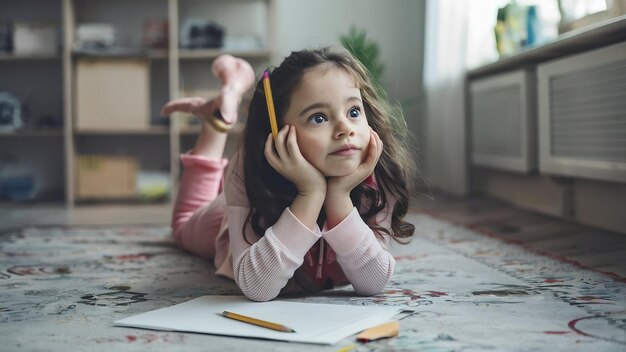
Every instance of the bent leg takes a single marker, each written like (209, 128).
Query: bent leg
(198, 211)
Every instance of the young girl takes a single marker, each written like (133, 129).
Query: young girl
(313, 208)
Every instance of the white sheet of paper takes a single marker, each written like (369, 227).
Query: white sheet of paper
(313, 322)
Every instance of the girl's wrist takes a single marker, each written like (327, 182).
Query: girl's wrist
(317, 188)
(306, 208)
(337, 207)
(319, 193)
(337, 198)
(334, 190)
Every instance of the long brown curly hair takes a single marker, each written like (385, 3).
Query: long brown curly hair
(270, 193)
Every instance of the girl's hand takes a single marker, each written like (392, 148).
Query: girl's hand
(285, 157)
(343, 185)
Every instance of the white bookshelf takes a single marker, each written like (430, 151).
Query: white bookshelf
(173, 70)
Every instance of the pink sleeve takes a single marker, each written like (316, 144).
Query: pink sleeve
(363, 257)
(263, 268)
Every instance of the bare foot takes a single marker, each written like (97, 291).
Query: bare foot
(236, 76)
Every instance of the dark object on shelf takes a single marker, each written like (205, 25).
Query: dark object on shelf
(99, 40)
(94, 37)
(160, 120)
(11, 117)
(201, 34)
(18, 188)
(6, 37)
(17, 182)
(48, 121)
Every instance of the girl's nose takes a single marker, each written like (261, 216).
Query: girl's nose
(343, 129)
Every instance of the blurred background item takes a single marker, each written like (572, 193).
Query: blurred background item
(153, 185)
(11, 117)
(199, 33)
(521, 26)
(155, 33)
(576, 14)
(33, 38)
(242, 42)
(17, 181)
(94, 36)
(6, 37)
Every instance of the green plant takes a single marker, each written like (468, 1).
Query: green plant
(366, 51)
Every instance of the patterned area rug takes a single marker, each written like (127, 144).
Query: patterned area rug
(61, 289)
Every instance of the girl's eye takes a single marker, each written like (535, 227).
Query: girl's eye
(317, 119)
(355, 112)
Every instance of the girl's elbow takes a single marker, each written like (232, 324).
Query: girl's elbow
(255, 292)
(258, 295)
(375, 284)
(372, 286)
(370, 290)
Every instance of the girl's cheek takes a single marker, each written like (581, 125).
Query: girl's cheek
(366, 133)
(310, 149)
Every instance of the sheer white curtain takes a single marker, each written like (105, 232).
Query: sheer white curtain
(444, 69)
(459, 35)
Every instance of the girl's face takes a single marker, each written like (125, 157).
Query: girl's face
(327, 111)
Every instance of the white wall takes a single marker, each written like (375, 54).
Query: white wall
(396, 25)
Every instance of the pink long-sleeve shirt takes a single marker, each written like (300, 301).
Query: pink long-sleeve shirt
(209, 223)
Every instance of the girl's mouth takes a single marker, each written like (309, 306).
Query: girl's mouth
(346, 150)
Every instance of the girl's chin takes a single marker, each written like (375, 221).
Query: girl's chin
(339, 172)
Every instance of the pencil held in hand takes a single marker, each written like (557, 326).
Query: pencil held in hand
(257, 322)
(270, 103)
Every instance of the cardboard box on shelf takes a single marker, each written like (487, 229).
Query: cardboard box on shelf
(112, 94)
(106, 176)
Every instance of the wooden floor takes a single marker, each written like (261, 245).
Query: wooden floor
(587, 247)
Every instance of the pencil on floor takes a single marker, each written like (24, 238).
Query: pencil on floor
(347, 348)
(257, 322)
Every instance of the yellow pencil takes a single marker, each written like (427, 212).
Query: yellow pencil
(270, 103)
(257, 322)
(347, 348)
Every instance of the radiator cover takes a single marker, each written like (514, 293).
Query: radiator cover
(503, 121)
(582, 115)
